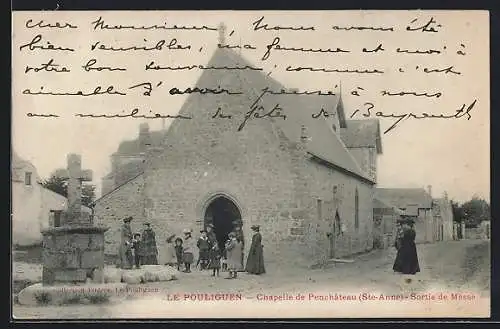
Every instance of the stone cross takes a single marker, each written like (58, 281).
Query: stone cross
(222, 34)
(75, 175)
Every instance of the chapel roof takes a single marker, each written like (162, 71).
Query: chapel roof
(405, 197)
(362, 133)
(133, 147)
(323, 142)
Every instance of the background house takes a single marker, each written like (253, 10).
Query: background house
(33, 207)
(385, 218)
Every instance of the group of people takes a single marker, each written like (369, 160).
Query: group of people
(142, 250)
(137, 249)
(406, 261)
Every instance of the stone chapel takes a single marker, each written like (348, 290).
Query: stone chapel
(311, 194)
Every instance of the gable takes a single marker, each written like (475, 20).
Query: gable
(322, 142)
(405, 197)
(362, 133)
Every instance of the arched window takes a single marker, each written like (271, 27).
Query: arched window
(356, 209)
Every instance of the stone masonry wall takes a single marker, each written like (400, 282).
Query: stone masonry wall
(125, 201)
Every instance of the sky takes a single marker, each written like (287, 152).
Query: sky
(451, 155)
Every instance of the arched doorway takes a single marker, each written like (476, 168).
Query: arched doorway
(224, 215)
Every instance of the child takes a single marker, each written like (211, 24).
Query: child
(203, 245)
(188, 247)
(215, 256)
(171, 255)
(179, 251)
(136, 247)
(224, 260)
(234, 248)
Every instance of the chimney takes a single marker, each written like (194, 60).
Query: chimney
(429, 190)
(303, 134)
(144, 136)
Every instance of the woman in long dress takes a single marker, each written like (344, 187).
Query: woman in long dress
(125, 250)
(170, 254)
(255, 260)
(406, 261)
(149, 249)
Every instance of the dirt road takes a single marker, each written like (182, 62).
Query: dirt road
(446, 266)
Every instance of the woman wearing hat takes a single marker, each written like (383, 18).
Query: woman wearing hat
(406, 261)
(233, 247)
(149, 248)
(188, 250)
(125, 250)
(255, 260)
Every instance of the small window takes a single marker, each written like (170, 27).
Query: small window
(57, 218)
(27, 178)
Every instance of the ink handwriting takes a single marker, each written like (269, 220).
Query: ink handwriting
(100, 24)
(152, 66)
(313, 69)
(276, 46)
(363, 28)
(412, 93)
(89, 66)
(34, 44)
(259, 111)
(50, 66)
(257, 26)
(97, 91)
(41, 24)
(160, 45)
(430, 26)
(133, 114)
(461, 112)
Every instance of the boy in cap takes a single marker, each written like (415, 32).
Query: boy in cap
(203, 245)
(136, 247)
(188, 250)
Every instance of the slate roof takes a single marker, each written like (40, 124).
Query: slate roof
(381, 204)
(323, 143)
(133, 147)
(362, 133)
(405, 197)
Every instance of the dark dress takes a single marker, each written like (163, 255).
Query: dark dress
(149, 250)
(255, 260)
(215, 257)
(407, 260)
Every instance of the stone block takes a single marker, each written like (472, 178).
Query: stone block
(91, 259)
(70, 275)
(48, 275)
(39, 295)
(71, 260)
(96, 242)
(80, 241)
(49, 242)
(112, 275)
(98, 275)
(53, 259)
(133, 276)
(299, 214)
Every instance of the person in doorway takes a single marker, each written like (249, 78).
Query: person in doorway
(170, 253)
(149, 248)
(126, 257)
(179, 252)
(215, 259)
(255, 260)
(233, 248)
(239, 235)
(212, 238)
(188, 250)
(203, 245)
(406, 261)
(136, 247)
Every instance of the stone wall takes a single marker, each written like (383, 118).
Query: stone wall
(127, 200)
(72, 256)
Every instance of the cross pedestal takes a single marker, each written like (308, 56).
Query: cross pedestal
(73, 252)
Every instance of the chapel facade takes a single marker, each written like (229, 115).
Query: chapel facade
(296, 178)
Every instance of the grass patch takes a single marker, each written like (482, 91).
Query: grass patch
(43, 298)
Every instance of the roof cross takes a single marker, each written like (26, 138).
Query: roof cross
(222, 34)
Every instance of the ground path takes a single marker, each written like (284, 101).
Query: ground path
(447, 266)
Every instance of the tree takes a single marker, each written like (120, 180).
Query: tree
(60, 186)
(475, 211)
